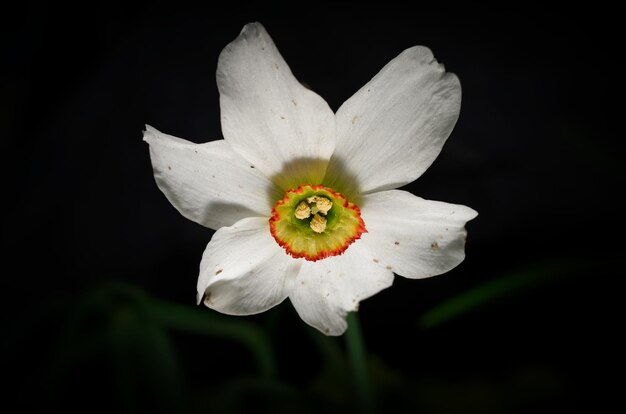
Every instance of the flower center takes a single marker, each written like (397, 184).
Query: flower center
(314, 222)
(315, 208)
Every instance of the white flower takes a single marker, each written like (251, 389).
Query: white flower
(304, 200)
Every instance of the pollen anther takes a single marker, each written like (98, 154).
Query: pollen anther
(303, 211)
(318, 224)
(323, 205)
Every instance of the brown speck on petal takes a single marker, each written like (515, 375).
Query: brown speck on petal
(219, 271)
(396, 243)
(354, 119)
(376, 261)
(294, 102)
(388, 267)
(434, 245)
(252, 166)
(169, 167)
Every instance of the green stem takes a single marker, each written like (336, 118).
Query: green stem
(358, 363)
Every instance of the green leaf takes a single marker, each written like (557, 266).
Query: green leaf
(510, 284)
(202, 322)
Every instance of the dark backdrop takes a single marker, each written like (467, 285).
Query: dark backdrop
(99, 270)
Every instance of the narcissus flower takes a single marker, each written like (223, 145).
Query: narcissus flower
(303, 199)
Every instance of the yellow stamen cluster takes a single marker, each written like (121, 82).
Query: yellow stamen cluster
(316, 206)
(314, 222)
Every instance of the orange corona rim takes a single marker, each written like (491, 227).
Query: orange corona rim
(315, 222)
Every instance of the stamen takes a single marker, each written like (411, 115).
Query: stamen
(323, 205)
(303, 211)
(318, 224)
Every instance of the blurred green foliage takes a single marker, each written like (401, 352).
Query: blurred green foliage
(120, 350)
(510, 284)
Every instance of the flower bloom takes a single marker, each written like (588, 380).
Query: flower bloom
(303, 199)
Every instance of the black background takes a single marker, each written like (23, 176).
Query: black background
(535, 152)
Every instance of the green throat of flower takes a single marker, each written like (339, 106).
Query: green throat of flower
(315, 222)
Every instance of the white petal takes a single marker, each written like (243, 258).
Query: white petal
(416, 238)
(325, 291)
(208, 183)
(243, 270)
(394, 127)
(284, 129)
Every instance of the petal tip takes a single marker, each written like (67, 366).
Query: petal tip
(252, 30)
(336, 333)
(421, 51)
(423, 55)
(331, 330)
(150, 134)
(471, 213)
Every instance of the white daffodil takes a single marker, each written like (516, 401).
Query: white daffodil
(303, 199)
